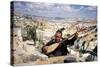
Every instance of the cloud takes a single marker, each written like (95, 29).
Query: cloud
(29, 5)
(92, 8)
(69, 8)
(49, 6)
(38, 6)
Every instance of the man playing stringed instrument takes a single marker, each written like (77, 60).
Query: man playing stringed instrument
(57, 46)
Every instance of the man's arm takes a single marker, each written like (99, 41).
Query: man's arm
(70, 40)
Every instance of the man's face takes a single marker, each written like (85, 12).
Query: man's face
(58, 37)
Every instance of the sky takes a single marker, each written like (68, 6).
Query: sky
(56, 10)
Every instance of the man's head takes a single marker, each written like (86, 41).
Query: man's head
(58, 36)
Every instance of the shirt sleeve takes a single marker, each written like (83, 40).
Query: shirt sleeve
(50, 42)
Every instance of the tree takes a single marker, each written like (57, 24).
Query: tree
(31, 32)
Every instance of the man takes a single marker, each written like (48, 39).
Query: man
(61, 50)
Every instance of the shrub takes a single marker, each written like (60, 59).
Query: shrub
(31, 32)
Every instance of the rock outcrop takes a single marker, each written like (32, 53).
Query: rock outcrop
(23, 52)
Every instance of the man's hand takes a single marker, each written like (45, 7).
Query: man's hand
(76, 33)
(45, 48)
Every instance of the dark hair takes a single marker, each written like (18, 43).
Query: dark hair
(60, 30)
